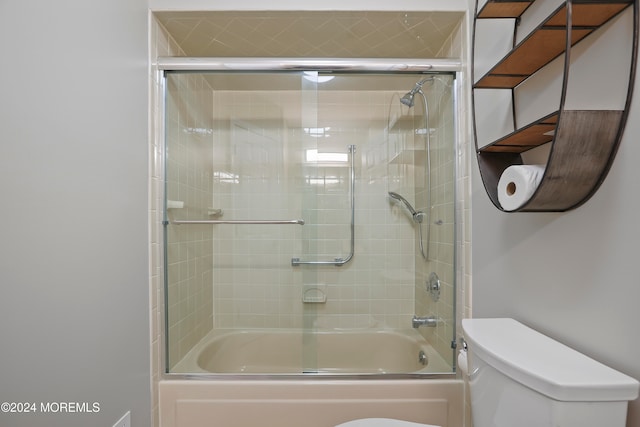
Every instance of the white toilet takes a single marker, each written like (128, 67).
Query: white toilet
(519, 377)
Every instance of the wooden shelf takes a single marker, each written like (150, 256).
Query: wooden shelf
(531, 136)
(583, 148)
(503, 9)
(548, 42)
(583, 142)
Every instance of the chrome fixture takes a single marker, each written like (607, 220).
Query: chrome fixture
(417, 215)
(236, 221)
(408, 98)
(417, 65)
(423, 359)
(430, 321)
(433, 286)
(339, 261)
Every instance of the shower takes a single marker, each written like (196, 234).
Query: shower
(409, 99)
(258, 235)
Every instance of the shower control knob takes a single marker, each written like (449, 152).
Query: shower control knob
(433, 286)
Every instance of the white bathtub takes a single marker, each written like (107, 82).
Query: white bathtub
(330, 352)
(233, 395)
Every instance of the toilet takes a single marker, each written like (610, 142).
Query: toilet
(519, 377)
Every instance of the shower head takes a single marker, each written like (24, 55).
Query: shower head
(417, 215)
(408, 97)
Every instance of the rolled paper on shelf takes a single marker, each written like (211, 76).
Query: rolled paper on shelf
(517, 184)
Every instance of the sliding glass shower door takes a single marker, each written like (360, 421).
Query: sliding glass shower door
(284, 253)
(241, 176)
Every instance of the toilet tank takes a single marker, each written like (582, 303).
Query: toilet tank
(520, 377)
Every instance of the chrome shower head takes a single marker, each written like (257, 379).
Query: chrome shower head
(417, 215)
(408, 97)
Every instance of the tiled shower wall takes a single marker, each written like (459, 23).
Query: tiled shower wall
(254, 282)
(250, 163)
(189, 183)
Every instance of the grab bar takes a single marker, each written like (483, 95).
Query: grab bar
(238, 221)
(295, 262)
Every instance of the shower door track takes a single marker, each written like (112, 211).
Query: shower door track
(391, 65)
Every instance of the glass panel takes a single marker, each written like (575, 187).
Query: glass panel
(308, 136)
(275, 146)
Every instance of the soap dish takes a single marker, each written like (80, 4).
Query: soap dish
(314, 294)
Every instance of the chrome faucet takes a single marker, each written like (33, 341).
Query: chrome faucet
(430, 321)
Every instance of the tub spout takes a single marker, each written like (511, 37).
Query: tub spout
(430, 321)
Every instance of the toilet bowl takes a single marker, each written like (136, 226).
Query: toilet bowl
(519, 377)
(381, 422)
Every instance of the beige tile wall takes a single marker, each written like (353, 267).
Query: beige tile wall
(255, 285)
(189, 104)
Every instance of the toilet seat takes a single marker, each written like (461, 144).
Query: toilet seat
(381, 422)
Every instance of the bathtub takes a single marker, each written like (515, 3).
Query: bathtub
(320, 352)
(356, 374)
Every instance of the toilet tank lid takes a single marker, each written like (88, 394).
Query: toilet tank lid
(543, 364)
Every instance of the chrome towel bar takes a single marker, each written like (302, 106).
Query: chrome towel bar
(238, 221)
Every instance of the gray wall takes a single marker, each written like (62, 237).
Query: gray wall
(574, 275)
(73, 220)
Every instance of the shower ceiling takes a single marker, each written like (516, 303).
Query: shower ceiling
(335, 34)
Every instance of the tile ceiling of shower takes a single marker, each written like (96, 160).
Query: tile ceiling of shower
(336, 34)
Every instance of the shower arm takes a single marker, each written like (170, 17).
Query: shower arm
(338, 262)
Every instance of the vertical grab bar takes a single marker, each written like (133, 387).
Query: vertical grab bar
(339, 261)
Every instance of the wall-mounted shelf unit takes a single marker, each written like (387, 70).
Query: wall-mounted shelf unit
(582, 140)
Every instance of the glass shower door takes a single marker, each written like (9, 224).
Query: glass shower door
(240, 186)
(284, 253)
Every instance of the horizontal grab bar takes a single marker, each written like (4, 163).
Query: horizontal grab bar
(239, 221)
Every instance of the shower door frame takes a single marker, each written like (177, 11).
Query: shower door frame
(265, 64)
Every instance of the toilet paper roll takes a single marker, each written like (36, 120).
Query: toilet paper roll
(463, 364)
(517, 184)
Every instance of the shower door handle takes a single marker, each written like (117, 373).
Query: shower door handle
(238, 221)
